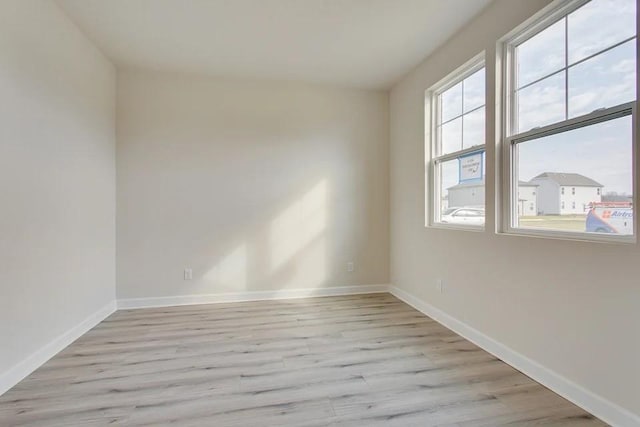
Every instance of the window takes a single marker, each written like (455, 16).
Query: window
(570, 112)
(456, 145)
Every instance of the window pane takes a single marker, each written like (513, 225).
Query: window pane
(451, 136)
(598, 25)
(603, 81)
(541, 55)
(542, 103)
(449, 177)
(595, 160)
(474, 90)
(461, 203)
(451, 103)
(473, 132)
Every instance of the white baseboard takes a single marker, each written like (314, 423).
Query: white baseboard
(131, 303)
(602, 408)
(20, 371)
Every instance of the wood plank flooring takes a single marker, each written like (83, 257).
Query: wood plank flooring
(366, 360)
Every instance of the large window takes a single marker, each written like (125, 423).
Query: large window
(457, 135)
(571, 90)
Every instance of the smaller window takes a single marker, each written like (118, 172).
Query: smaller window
(573, 205)
(562, 191)
(573, 191)
(562, 205)
(598, 191)
(456, 144)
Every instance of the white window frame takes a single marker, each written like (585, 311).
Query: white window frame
(558, 10)
(432, 144)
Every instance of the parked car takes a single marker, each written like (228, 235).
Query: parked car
(464, 215)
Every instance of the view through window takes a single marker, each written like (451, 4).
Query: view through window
(574, 83)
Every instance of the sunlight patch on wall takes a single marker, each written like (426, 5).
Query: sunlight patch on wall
(231, 272)
(298, 225)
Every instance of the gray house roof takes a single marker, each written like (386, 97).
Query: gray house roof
(570, 179)
(480, 183)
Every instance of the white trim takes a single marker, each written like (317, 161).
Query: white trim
(458, 227)
(597, 405)
(20, 371)
(131, 303)
(601, 115)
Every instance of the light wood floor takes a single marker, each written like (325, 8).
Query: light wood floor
(367, 360)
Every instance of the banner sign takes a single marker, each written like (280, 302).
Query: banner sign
(471, 167)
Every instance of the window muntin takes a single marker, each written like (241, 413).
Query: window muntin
(572, 112)
(457, 148)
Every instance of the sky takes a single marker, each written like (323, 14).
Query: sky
(601, 152)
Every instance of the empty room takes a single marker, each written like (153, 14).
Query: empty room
(309, 213)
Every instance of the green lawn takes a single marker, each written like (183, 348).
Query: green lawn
(555, 222)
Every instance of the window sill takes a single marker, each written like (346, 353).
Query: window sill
(570, 236)
(458, 227)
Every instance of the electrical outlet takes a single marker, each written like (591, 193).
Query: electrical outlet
(188, 274)
(350, 267)
(440, 285)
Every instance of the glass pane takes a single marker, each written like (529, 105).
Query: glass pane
(451, 100)
(542, 103)
(449, 172)
(461, 203)
(451, 136)
(595, 160)
(474, 90)
(603, 81)
(598, 25)
(541, 55)
(473, 131)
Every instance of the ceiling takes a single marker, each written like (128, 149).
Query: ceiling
(358, 43)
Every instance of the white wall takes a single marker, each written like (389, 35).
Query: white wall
(57, 179)
(583, 197)
(527, 200)
(572, 307)
(254, 185)
(548, 196)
